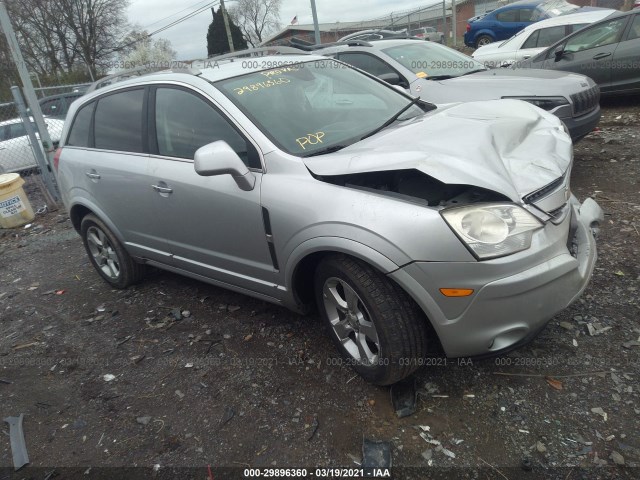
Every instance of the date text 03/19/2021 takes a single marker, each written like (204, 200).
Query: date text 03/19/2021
(321, 473)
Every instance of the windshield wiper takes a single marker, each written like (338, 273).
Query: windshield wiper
(474, 71)
(331, 149)
(440, 77)
(392, 119)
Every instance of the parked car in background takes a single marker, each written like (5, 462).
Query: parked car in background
(57, 106)
(16, 152)
(439, 74)
(500, 24)
(636, 4)
(397, 220)
(427, 33)
(504, 22)
(606, 51)
(367, 35)
(533, 39)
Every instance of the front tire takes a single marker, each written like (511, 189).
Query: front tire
(375, 325)
(107, 255)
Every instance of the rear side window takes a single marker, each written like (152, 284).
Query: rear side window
(79, 134)
(635, 28)
(118, 121)
(551, 35)
(508, 16)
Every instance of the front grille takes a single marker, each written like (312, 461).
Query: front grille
(544, 191)
(585, 101)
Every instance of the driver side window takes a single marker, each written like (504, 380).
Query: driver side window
(597, 36)
(185, 122)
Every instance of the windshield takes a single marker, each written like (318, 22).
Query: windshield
(316, 107)
(430, 60)
(511, 38)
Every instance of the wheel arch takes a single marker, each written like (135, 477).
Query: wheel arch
(81, 209)
(303, 261)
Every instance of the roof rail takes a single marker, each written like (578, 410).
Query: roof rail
(259, 52)
(349, 43)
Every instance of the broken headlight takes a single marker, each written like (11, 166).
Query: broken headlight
(492, 230)
(545, 103)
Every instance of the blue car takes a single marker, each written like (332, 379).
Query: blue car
(501, 23)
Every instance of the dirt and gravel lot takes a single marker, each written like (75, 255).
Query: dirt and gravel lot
(177, 373)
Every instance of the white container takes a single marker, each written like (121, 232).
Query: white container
(15, 209)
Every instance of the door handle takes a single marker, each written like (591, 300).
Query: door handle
(161, 189)
(601, 55)
(93, 176)
(525, 57)
(344, 102)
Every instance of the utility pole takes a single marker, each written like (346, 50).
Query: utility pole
(453, 22)
(444, 21)
(316, 27)
(226, 25)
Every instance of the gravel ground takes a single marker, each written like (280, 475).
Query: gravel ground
(177, 373)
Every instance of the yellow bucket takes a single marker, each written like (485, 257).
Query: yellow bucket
(15, 209)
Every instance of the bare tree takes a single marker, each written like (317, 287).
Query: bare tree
(97, 27)
(256, 18)
(60, 36)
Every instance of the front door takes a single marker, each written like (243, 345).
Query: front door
(213, 228)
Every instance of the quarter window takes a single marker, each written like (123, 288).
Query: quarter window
(186, 122)
(118, 121)
(79, 134)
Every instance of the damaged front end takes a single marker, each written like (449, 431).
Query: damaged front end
(503, 187)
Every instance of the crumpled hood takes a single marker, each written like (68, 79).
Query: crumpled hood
(507, 146)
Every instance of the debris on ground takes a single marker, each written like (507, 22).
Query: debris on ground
(404, 397)
(617, 458)
(228, 414)
(376, 454)
(18, 445)
(108, 377)
(600, 411)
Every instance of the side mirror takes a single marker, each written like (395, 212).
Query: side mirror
(218, 158)
(392, 78)
(558, 52)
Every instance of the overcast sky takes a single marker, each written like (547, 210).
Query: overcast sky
(189, 37)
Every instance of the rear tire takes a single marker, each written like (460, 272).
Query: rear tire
(375, 325)
(483, 40)
(107, 254)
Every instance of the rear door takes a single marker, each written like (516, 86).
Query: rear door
(213, 228)
(106, 150)
(507, 24)
(625, 75)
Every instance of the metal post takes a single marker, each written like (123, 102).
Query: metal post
(226, 25)
(453, 22)
(29, 93)
(316, 27)
(50, 192)
(444, 21)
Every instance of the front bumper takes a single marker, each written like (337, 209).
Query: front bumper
(580, 127)
(515, 296)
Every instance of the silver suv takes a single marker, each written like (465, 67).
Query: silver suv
(309, 184)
